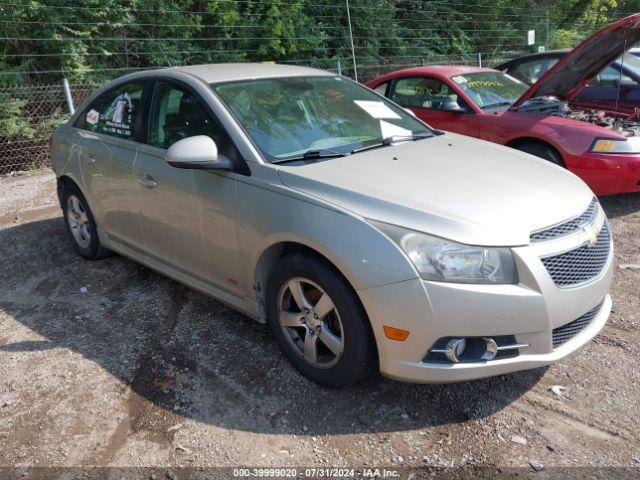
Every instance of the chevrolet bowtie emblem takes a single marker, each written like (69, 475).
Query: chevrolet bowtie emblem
(591, 232)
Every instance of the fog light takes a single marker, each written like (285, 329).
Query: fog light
(455, 349)
(491, 349)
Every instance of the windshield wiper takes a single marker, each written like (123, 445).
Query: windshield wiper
(311, 155)
(497, 105)
(385, 142)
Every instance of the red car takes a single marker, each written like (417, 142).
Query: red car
(601, 148)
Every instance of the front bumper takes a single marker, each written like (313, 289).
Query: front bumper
(529, 311)
(607, 174)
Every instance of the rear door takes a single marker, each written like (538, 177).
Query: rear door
(108, 135)
(426, 96)
(187, 216)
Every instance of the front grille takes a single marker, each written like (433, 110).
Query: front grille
(567, 332)
(582, 264)
(569, 227)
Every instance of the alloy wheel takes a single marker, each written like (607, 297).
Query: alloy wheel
(78, 221)
(310, 322)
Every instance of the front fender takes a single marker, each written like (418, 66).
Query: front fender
(364, 256)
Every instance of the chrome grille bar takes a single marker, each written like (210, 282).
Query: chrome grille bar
(569, 227)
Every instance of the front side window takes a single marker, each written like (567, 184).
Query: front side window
(286, 117)
(490, 90)
(114, 113)
(610, 77)
(176, 114)
(423, 92)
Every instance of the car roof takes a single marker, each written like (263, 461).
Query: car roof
(228, 72)
(443, 70)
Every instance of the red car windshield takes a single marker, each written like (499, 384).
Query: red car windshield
(490, 90)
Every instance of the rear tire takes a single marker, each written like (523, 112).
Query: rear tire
(543, 151)
(328, 338)
(81, 225)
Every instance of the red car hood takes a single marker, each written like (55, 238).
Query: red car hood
(578, 67)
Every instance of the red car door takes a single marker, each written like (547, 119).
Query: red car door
(436, 103)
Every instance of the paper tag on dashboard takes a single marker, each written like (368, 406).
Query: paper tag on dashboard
(92, 117)
(389, 130)
(376, 109)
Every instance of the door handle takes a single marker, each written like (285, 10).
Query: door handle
(147, 181)
(90, 158)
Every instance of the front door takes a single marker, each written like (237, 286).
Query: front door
(187, 216)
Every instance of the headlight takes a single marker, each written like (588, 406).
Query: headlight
(608, 145)
(446, 261)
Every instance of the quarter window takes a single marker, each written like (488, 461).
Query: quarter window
(115, 112)
(423, 92)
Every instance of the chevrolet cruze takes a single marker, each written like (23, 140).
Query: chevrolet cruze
(364, 238)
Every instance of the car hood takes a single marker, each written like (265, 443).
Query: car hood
(578, 67)
(450, 186)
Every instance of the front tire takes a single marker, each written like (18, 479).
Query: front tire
(318, 321)
(543, 151)
(81, 225)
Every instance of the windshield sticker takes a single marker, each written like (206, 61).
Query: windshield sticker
(484, 83)
(377, 109)
(390, 130)
(459, 79)
(92, 117)
(419, 89)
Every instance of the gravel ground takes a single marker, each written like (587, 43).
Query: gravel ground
(140, 371)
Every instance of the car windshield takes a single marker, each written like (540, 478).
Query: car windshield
(294, 116)
(491, 90)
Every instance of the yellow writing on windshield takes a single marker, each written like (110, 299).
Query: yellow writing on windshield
(484, 83)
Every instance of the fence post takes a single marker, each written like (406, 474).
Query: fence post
(67, 94)
(546, 44)
(353, 50)
(479, 59)
(339, 67)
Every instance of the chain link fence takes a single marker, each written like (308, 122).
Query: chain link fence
(28, 116)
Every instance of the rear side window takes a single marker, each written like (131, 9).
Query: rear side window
(114, 113)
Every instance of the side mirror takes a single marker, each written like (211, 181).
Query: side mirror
(452, 106)
(199, 153)
(410, 112)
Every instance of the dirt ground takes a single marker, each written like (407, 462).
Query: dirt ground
(139, 370)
